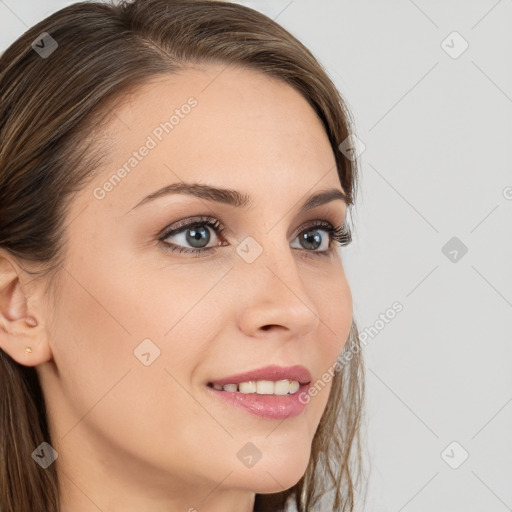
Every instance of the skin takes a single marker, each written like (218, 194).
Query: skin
(132, 437)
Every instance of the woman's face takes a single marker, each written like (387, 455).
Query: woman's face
(140, 329)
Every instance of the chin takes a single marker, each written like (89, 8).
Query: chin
(269, 483)
(275, 474)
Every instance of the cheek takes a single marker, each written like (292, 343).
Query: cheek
(334, 304)
(160, 294)
(109, 389)
(110, 315)
(91, 342)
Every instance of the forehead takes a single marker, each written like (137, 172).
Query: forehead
(225, 126)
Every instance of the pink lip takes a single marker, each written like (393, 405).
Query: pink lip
(273, 372)
(266, 406)
(275, 407)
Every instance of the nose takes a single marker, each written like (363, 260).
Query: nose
(275, 298)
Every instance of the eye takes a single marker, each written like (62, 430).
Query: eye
(196, 234)
(312, 240)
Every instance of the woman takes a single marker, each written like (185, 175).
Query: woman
(173, 302)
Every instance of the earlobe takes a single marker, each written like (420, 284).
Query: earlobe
(30, 348)
(22, 336)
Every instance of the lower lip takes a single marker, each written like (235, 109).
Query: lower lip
(274, 407)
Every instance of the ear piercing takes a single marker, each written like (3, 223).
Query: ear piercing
(28, 350)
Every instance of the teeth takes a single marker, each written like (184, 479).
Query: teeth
(247, 387)
(281, 387)
(294, 386)
(262, 387)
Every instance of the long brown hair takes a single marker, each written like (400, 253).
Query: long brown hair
(52, 105)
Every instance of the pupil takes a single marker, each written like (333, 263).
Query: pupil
(316, 239)
(197, 235)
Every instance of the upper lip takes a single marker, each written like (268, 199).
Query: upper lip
(273, 372)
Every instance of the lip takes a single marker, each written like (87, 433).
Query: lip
(266, 406)
(274, 407)
(272, 372)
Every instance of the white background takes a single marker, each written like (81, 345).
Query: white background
(437, 131)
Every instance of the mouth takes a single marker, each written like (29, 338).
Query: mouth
(273, 397)
(274, 401)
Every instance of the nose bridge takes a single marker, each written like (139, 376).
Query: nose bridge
(276, 294)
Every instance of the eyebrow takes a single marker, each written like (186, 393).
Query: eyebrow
(235, 198)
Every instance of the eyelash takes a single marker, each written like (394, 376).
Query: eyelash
(338, 236)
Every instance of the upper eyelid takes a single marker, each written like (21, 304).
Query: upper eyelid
(328, 211)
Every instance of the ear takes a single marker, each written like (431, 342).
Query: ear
(22, 327)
